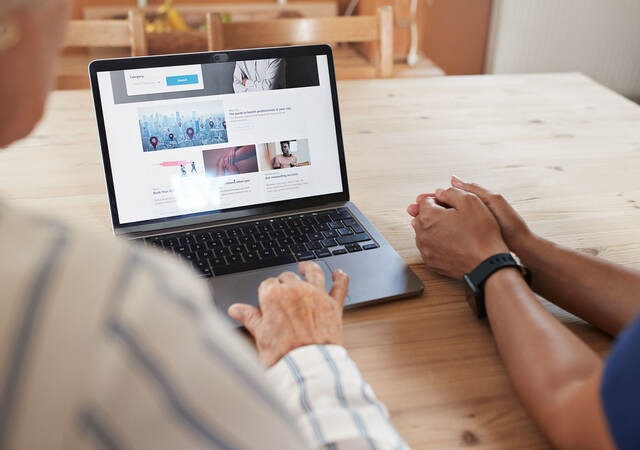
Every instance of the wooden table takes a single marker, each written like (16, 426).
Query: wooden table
(563, 149)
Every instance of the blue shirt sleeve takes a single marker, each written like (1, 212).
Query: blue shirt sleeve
(620, 388)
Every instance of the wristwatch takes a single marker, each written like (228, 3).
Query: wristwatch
(474, 280)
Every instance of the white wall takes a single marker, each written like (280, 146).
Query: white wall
(600, 38)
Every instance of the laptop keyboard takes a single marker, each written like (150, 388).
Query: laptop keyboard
(253, 245)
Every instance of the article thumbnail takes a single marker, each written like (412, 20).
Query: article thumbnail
(182, 125)
(182, 168)
(221, 162)
(284, 154)
(275, 73)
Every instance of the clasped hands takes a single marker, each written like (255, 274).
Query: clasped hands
(459, 227)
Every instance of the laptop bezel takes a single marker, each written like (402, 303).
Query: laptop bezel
(213, 216)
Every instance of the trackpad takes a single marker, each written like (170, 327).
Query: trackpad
(243, 287)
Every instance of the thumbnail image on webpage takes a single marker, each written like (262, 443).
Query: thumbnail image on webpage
(174, 126)
(221, 162)
(284, 154)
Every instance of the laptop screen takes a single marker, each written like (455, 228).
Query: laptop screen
(204, 138)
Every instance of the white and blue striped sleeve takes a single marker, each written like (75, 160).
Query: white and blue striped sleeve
(331, 403)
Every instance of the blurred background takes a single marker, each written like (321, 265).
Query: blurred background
(425, 38)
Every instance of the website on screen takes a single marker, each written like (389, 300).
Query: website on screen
(195, 138)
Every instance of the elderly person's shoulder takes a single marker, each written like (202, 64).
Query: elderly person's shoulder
(90, 324)
(50, 255)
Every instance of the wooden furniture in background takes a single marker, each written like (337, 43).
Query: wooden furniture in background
(403, 15)
(561, 148)
(410, 60)
(80, 6)
(195, 40)
(72, 72)
(194, 14)
(455, 33)
(109, 33)
(377, 29)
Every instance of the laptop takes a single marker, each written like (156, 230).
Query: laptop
(234, 162)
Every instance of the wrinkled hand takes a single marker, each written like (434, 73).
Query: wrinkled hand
(515, 231)
(455, 231)
(294, 313)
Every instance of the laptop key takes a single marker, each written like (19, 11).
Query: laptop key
(344, 213)
(358, 237)
(334, 225)
(322, 253)
(351, 248)
(246, 240)
(357, 228)
(219, 262)
(189, 256)
(340, 251)
(222, 252)
(235, 259)
(305, 256)
(369, 246)
(237, 249)
(329, 234)
(169, 243)
(344, 231)
(268, 253)
(285, 242)
(309, 221)
(202, 237)
(328, 242)
(314, 245)
(214, 244)
(298, 248)
(203, 268)
(316, 236)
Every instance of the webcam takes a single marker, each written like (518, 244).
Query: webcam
(220, 57)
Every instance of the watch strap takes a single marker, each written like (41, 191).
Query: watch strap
(478, 276)
(491, 265)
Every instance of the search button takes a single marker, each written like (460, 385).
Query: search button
(183, 79)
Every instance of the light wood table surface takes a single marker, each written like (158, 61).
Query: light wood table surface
(563, 149)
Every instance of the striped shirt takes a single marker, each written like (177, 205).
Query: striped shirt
(108, 346)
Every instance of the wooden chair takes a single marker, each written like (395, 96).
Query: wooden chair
(72, 66)
(377, 30)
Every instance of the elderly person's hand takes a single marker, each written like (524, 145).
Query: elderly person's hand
(455, 231)
(294, 313)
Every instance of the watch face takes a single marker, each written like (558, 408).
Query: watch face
(471, 293)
